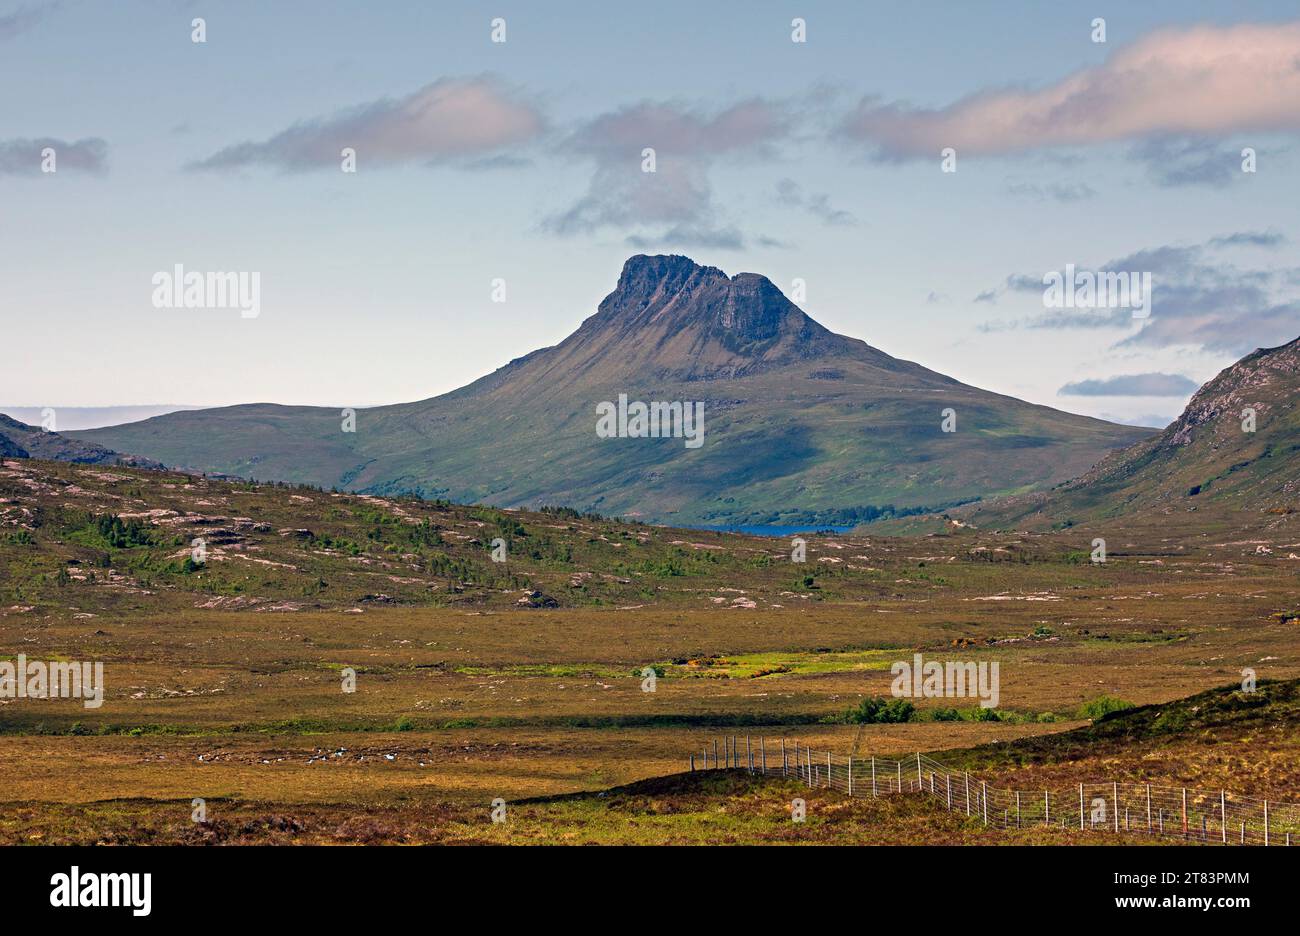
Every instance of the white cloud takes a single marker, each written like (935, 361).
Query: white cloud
(450, 119)
(1198, 81)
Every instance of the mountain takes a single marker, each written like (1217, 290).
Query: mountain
(1205, 462)
(800, 425)
(19, 440)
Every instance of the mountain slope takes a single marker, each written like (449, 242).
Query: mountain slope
(801, 425)
(1204, 462)
(19, 440)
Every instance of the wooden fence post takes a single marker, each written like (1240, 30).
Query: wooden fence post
(828, 768)
(807, 753)
(873, 776)
(749, 756)
(1114, 799)
(1148, 809)
(762, 753)
(984, 799)
(900, 776)
(1223, 814)
(1184, 812)
(1266, 823)
(1047, 809)
(784, 769)
(967, 773)
(1017, 809)
(920, 780)
(1080, 807)
(850, 775)
(948, 777)
(692, 763)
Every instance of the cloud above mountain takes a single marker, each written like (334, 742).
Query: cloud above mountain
(452, 119)
(22, 19)
(23, 157)
(1149, 385)
(1201, 81)
(665, 198)
(1200, 298)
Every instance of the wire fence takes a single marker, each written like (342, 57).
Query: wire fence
(1191, 815)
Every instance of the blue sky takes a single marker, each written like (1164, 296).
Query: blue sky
(521, 160)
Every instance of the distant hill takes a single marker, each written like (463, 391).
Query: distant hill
(1204, 462)
(19, 440)
(801, 425)
(72, 418)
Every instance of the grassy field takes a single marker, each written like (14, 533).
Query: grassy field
(224, 680)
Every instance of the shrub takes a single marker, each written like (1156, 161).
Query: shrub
(1103, 707)
(876, 710)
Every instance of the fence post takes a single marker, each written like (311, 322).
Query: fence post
(920, 780)
(784, 769)
(1184, 812)
(1114, 799)
(1265, 823)
(1148, 809)
(828, 768)
(984, 799)
(1223, 814)
(807, 753)
(967, 776)
(850, 775)
(948, 777)
(692, 763)
(900, 776)
(749, 756)
(762, 754)
(1017, 809)
(715, 753)
(1080, 807)
(798, 767)
(1047, 809)
(873, 776)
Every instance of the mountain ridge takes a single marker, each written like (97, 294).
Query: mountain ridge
(801, 423)
(1207, 460)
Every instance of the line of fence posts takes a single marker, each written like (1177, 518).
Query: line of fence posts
(979, 807)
